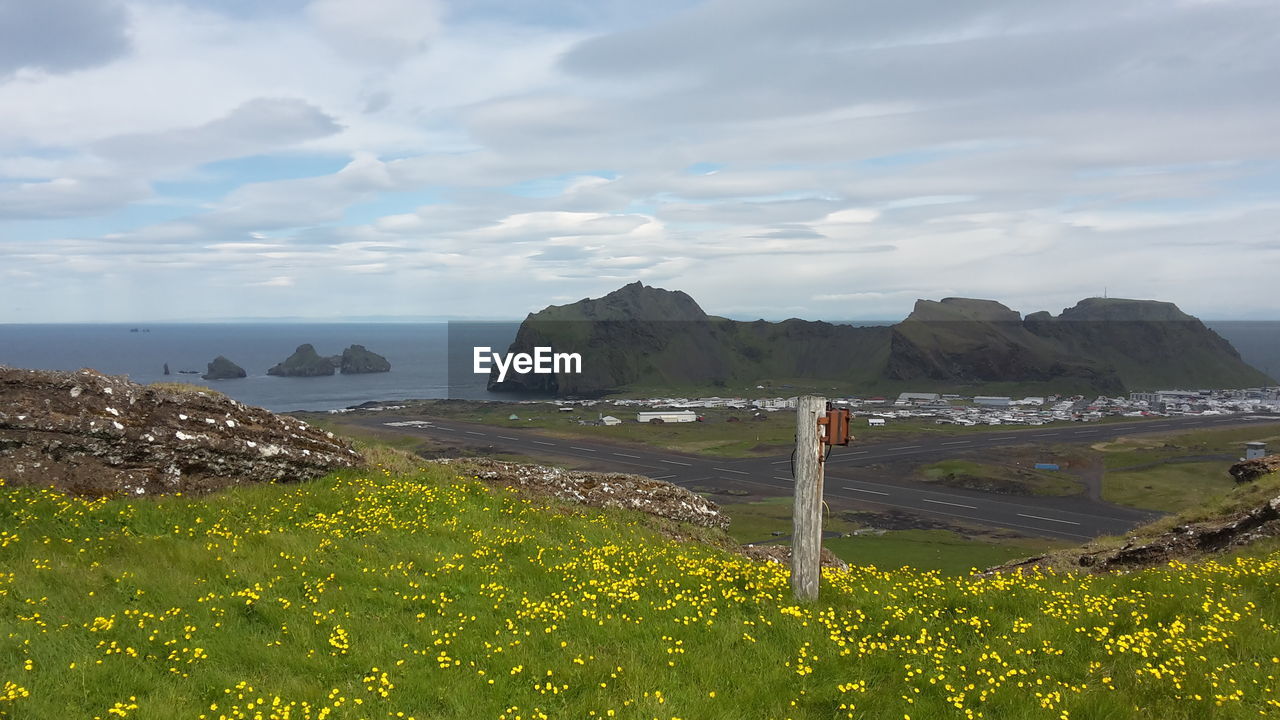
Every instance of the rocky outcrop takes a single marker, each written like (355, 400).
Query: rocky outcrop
(92, 434)
(1250, 470)
(223, 369)
(304, 362)
(1182, 542)
(781, 554)
(356, 359)
(605, 490)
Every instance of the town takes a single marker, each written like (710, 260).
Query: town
(955, 409)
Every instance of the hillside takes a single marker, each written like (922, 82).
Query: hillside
(380, 594)
(641, 336)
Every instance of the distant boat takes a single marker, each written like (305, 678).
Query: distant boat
(188, 372)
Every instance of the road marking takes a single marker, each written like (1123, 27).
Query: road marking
(441, 427)
(1083, 432)
(944, 502)
(543, 443)
(873, 492)
(504, 437)
(1037, 517)
(904, 447)
(575, 447)
(473, 432)
(637, 457)
(958, 442)
(780, 462)
(739, 472)
(1045, 434)
(662, 477)
(1011, 437)
(775, 477)
(674, 462)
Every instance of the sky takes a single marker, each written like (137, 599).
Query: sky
(163, 160)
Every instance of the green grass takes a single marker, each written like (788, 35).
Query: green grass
(944, 551)
(1168, 472)
(376, 594)
(1000, 478)
(1169, 488)
(1139, 449)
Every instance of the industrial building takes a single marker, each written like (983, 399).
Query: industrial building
(667, 416)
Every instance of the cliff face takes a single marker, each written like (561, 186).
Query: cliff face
(222, 369)
(640, 336)
(304, 362)
(92, 434)
(645, 336)
(357, 360)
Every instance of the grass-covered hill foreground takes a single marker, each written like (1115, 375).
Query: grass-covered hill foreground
(378, 595)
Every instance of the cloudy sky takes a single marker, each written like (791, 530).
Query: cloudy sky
(833, 159)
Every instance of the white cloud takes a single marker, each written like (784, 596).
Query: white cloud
(381, 31)
(863, 153)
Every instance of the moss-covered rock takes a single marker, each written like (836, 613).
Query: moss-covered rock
(356, 359)
(223, 369)
(304, 362)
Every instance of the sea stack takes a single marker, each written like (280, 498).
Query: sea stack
(304, 362)
(221, 369)
(356, 359)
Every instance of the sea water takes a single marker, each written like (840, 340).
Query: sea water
(417, 353)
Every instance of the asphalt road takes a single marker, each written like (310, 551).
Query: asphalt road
(1074, 518)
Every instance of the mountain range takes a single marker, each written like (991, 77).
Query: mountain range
(646, 337)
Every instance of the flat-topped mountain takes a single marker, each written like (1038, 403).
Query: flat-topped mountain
(645, 337)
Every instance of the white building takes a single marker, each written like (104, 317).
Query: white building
(875, 422)
(992, 401)
(910, 398)
(1254, 450)
(775, 403)
(667, 416)
(610, 420)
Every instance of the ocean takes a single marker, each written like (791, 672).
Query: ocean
(419, 354)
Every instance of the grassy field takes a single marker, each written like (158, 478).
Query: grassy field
(1176, 471)
(944, 551)
(718, 435)
(1171, 487)
(999, 478)
(380, 595)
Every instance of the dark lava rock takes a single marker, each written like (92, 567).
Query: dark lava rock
(223, 369)
(356, 359)
(1250, 470)
(616, 490)
(304, 362)
(1181, 543)
(88, 433)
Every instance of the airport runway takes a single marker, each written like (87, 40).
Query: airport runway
(1074, 518)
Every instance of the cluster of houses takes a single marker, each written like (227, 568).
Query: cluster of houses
(966, 410)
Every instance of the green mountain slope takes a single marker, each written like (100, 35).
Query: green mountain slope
(641, 336)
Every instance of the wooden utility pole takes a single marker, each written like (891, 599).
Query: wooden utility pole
(806, 536)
